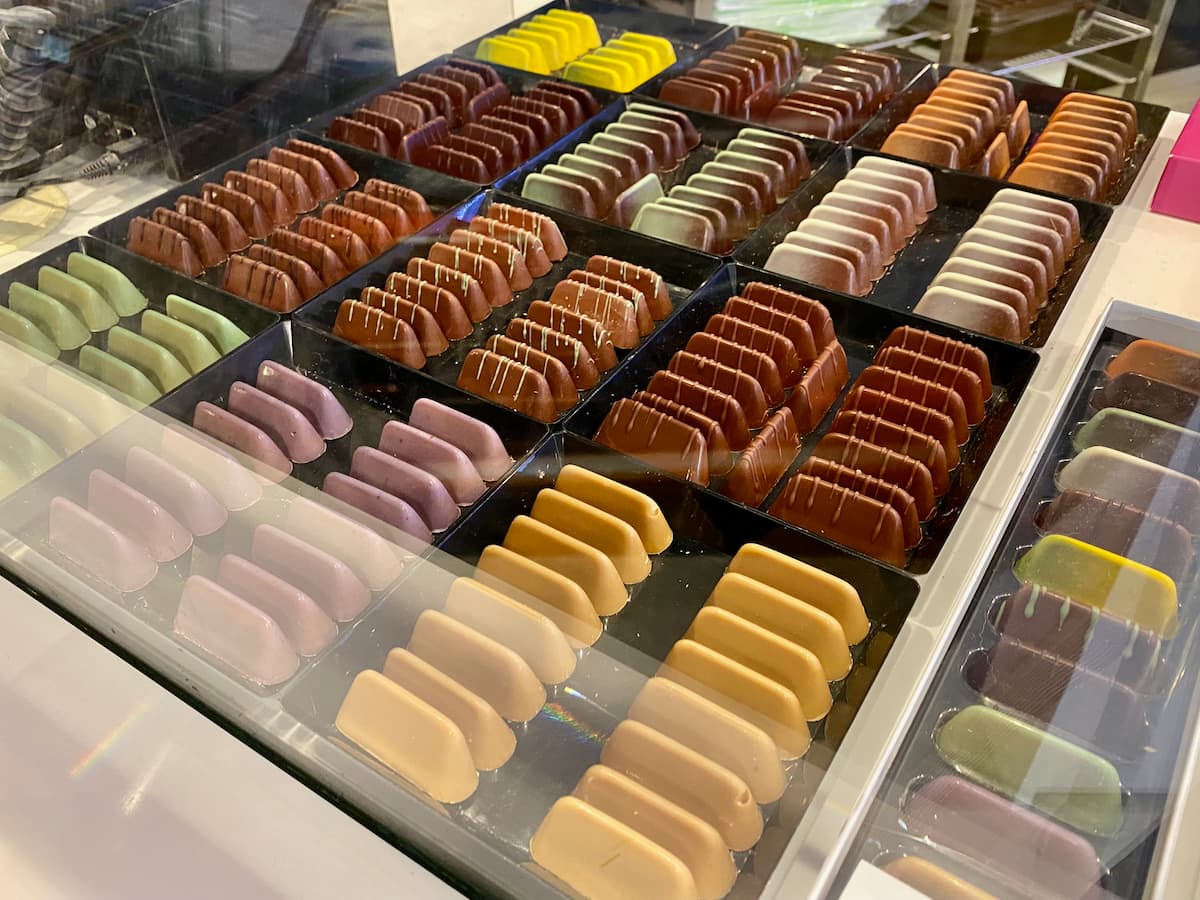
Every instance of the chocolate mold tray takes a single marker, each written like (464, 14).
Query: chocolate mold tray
(681, 269)
(371, 390)
(961, 197)
(687, 35)
(154, 281)
(1147, 773)
(814, 55)
(518, 82)
(1042, 98)
(440, 191)
(555, 748)
(861, 329)
(715, 133)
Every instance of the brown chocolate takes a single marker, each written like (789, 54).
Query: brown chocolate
(315, 175)
(541, 127)
(423, 322)
(528, 244)
(713, 403)
(870, 486)
(774, 345)
(919, 391)
(409, 200)
(291, 182)
(322, 259)
(508, 146)
(224, 224)
(380, 332)
(271, 196)
(592, 334)
(349, 247)
(727, 380)
(901, 439)
(562, 387)
(510, 260)
(794, 328)
(508, 383)
(765, 460)
(812, 312)
(645, 320)
(720, 457)
(261, 283)
(377, 124)
(446, 309)
(1172, 365)
(205, 243)
(656, 438)
(307, 280)
(649, 282)
(466, 289)
(248, 211)
(541, 225)
(1150, 397)
(568, 350)
(570, 106)
(841, 515)
(887, 465)
(418, 143)
(911, 415)
(614, 312)
(963, 381)
(343, 176)
(369, 229)
(530, 145)
(819, 387)
(392, 215)
(458, 163)
(485, 271)
(400, 108)
(955, 352)
(581, 95)
(163, 245)
(757, 365)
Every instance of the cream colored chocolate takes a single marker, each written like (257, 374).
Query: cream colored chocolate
(685, 777)
(1036, 234)
(1045, 204)
(582, 563)
(933, 881)
(708, 728)
(490, 740)
(622, 501)
(684, 835)
(480, 664)
(791, 665)
(804, 582)
(971, 312)
(741, 690)
(409, 736)
(922, 177)
(528, 633)
(787, 617)
(613, 537)
(603, 859)
(551, 593)
(988, 290)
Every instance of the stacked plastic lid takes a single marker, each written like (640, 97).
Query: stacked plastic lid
(1042, 762)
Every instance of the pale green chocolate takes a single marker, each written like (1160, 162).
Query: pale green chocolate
(117, 374)
(84, 300)
(1088, 434)
(55, 319)
(86, 398)
(1032, 766)
(191, 346)
(26, 332)
(24, 451)
(224, 335)
(118, 290)
(10, 480)
(64, 432)
(167, 371)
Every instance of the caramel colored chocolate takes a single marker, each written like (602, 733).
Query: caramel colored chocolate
(429, 332)
(223, 223)
(465, 288)
(727, 352)
(370, 230)
(650, 283)
(727, 380)
(656, 438)
(506, 256)
(920, 391)
(526, 242)
(315, 175)
(306, 279)
(452, 319)
(765, 460)
(617, 315)
(485, 271)
(380, 332)
(903, 440)
(249, 212)
(781, 351)
(645, 319)
(933, 881)
(349, 247)
(322, 259)
(508, 383)
(907, 414)
(584, 564)
(592, 334)
(549, 592)
(622, 501)
(819, 387)
(202, 239)
(1171, 365)
(260, 283)
(293, 185)
(793, 328)
(705, 400)
(541, 225)
(894, 468)
(614, 537)
(812, 312)
(870, 486)
(163, 245)
(571, 352)
(843, 516)
(562, 387)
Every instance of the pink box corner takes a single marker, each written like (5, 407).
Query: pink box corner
(1178, 192)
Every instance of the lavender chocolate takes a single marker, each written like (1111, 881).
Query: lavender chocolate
(423, 491)
(96, 546)
(244, 436)
(313, 399)
(287, 426)
(475, 438)
(308, 629)
(378, 503)
(328, 580)
(136, 515)
(182, 496)
(438, 457)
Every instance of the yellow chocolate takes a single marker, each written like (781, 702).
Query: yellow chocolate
(551, 593)
(582, 563)
(621, 501)
(613, 537)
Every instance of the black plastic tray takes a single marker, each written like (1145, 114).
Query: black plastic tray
(962, 197)
(1042, 98)
(682, 270)
(1147, 780)
(153, 280)
(555, 748)
(715, 133)
(440, 191)
(518, 81)
(860, 328)
(689, 36)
